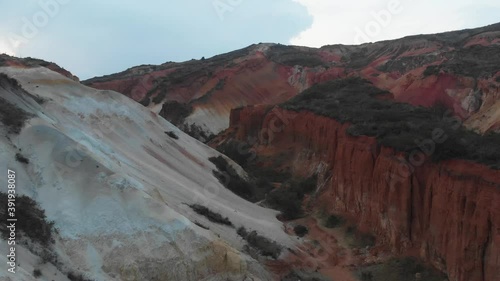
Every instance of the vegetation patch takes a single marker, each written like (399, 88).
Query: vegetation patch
(475, 61)
(398, 125)
(22, 159)
(159, 97)
(292, 56)
(300, 230)
(297, 275)
(334, 221)
(77, 277)
(196, 132)
(358, 239)
(242, 154)
(172, 135)
(201, 225)
(31, 220)
(252, 190)
(12, 116)
(238, 151)
(263, 245)
(288, 199)
(210, 215)
(175, 112)
(400, 269)
(218, 87)
(37, 273)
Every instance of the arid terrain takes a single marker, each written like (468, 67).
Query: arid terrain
(376, 162)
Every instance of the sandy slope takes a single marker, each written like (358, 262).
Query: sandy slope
(116, 185)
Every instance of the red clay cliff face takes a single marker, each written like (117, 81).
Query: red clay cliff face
(447, 212)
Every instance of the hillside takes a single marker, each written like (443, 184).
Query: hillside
(117, 187)
(459, 70)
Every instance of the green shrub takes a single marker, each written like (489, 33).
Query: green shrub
(159, 97)
(238, 151)
(432, 70)
(77, 277)
(289, 199)
(172, 135)
(196, 132)
(300, 230)
(334, 221)
(12, 116)
(400, 269)
(175, 112)
(292, 56)
(31, 220)
(265, 246)
(397, 125)
(357, 239)
(37, 273)
(22, 159)
(252, 190)
(297, 275)
(210, 215)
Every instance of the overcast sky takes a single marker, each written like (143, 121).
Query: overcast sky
(95, 37)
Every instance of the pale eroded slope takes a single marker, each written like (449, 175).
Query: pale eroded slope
(117, 186)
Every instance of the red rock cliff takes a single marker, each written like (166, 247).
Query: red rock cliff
(447, 212)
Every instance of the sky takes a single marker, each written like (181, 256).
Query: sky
(94, 37)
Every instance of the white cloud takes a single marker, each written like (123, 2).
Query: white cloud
(360, 21)
(5, 48)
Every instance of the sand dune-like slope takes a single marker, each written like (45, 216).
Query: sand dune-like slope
(117, 188)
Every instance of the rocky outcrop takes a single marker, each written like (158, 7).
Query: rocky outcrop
(448, 213)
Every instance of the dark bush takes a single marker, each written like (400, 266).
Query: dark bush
(238, 151)
(358, 239)
(265, 246)
(252, 190)
(175, 112)
(12, 116)
(196, 132)
(300, 230)
(210, 215)
(77, 277)
(159, 97)
(145, 101)
(334, 221)
(201, 225)
(22, 159)
(31, 220)
(397, 125)
(292, 56)
(37, 273)
(296, 275)
(289, 202)
(242, 154)
(431, 70)
(172, 135)
(288, 199)
(400, 269)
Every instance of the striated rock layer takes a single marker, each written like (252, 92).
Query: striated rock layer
(459, 70)
(448, 213)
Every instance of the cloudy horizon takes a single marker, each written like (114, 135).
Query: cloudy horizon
(92, 38)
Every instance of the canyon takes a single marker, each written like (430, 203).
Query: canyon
(133, 179)
(446, 213)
